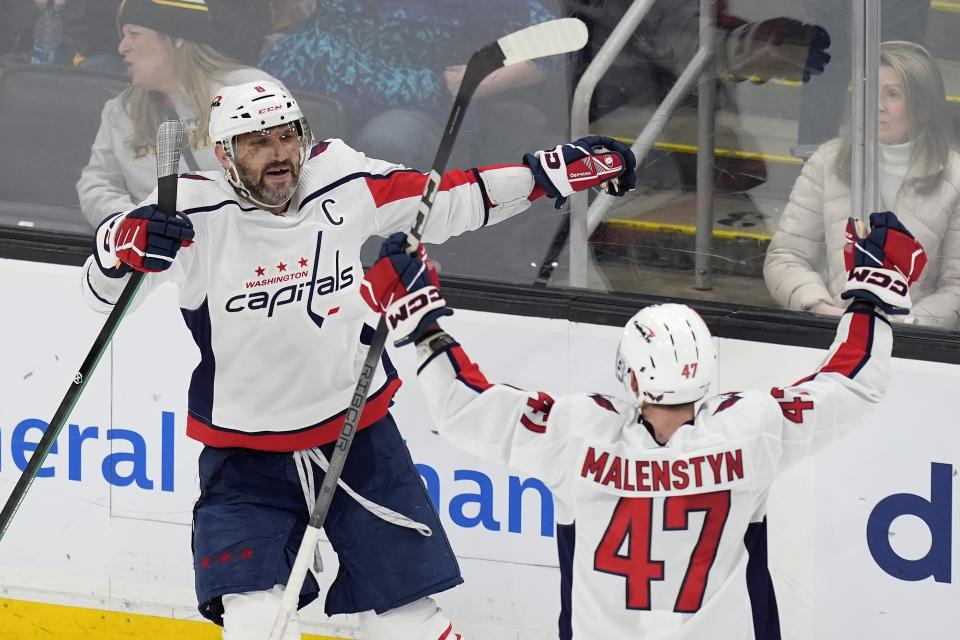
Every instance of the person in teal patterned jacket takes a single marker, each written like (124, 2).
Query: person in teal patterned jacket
(395, 66)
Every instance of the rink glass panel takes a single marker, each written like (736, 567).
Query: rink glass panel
(645, 244)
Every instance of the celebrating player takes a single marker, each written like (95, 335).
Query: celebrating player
(635, 472)
(266, 256)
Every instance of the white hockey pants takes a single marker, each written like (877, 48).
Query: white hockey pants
(250, 615)
(419, 620)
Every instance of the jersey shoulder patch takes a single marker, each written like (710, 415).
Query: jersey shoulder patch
(593, 414)
(604, 402)
(319, 148)
(536, 413)
(727, 400)
(330, 150)
(735, 413)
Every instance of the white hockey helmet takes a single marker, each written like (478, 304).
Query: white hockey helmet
(669, 349)
(254, 106)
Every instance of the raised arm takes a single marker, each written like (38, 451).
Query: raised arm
(474, 198)
(525, 430)
(855, 374)
(848, 384)
(522, 429)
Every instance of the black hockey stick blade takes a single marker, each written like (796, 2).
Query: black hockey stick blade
(538, 41)
(168, 158)
(549, 262)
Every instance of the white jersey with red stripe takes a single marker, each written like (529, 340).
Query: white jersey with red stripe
(659, 549)
(272, 300)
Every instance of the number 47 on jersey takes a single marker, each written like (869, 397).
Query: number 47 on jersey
(626, 547)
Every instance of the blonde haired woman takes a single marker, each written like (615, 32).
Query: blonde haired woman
(919, 180)
(174, 72)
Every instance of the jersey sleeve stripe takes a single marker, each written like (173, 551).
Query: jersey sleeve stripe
(467, 371)
(409, 184)
(338, 183)
(94, 291)
(395, 186)
(854, 353)
(486, 199)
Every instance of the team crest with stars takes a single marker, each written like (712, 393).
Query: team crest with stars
(293, 282)
(284, 270)
(298, 283)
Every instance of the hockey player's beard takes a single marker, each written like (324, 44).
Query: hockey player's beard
(270, 196)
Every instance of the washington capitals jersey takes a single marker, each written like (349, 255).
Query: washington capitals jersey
(272, 300)
(659, 549)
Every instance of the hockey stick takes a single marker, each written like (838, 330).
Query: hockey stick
(538, 41)
(548, 264)
(168, 160)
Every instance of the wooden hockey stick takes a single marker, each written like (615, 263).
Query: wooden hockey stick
(169, 135)
(546, 39)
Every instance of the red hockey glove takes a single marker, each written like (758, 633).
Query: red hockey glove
(145, 239)
(884, 264)
(588, 162)
(403, 289)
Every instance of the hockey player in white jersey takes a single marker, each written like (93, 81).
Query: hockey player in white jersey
(662, 493)
(266, 258)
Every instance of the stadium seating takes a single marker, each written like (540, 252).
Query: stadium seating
(324, 114)
(48, 119)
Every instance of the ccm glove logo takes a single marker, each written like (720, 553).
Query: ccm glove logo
(410, 305)
(408, 317)
(877, 278)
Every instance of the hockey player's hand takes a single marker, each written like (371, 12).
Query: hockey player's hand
(777, 48)
(404, 289)
(588, 162)
(883, 263)
(145, 239)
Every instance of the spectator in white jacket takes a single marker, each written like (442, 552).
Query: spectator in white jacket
(919, 180)
(174, 73)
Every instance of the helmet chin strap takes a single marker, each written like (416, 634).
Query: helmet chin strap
(233, 177)
(632, 386)
(233, 173)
